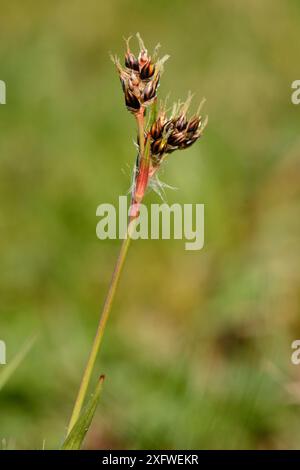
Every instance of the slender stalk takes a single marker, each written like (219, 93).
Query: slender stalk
(110, 294)
(100, 330)
(142, 178)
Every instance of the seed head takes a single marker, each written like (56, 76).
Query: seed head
(163, 132)
(175, 133)
(140, 77)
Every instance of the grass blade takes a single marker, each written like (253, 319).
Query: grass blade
(77, 434)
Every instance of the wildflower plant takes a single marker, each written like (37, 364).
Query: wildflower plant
(160, 132)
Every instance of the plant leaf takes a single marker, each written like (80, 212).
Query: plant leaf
(76, 437)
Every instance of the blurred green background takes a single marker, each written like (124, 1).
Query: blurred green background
(198, 346)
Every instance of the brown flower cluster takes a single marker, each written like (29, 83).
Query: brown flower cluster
(140, 76)
(175, 133)
(160, 135)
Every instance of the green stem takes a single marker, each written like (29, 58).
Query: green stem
(109, 298)
(100, 330)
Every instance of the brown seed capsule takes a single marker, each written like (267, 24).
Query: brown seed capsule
(180, 123)
(193, 124)
(158, 147)
(157, 128)
(131, 62)
(149, 92)
(176, 138)
(147, 70)
(131, 101)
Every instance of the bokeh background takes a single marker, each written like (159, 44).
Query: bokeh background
(197, 353)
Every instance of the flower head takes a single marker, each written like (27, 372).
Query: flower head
(140, 76)
(176, 132)
(162, 134)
